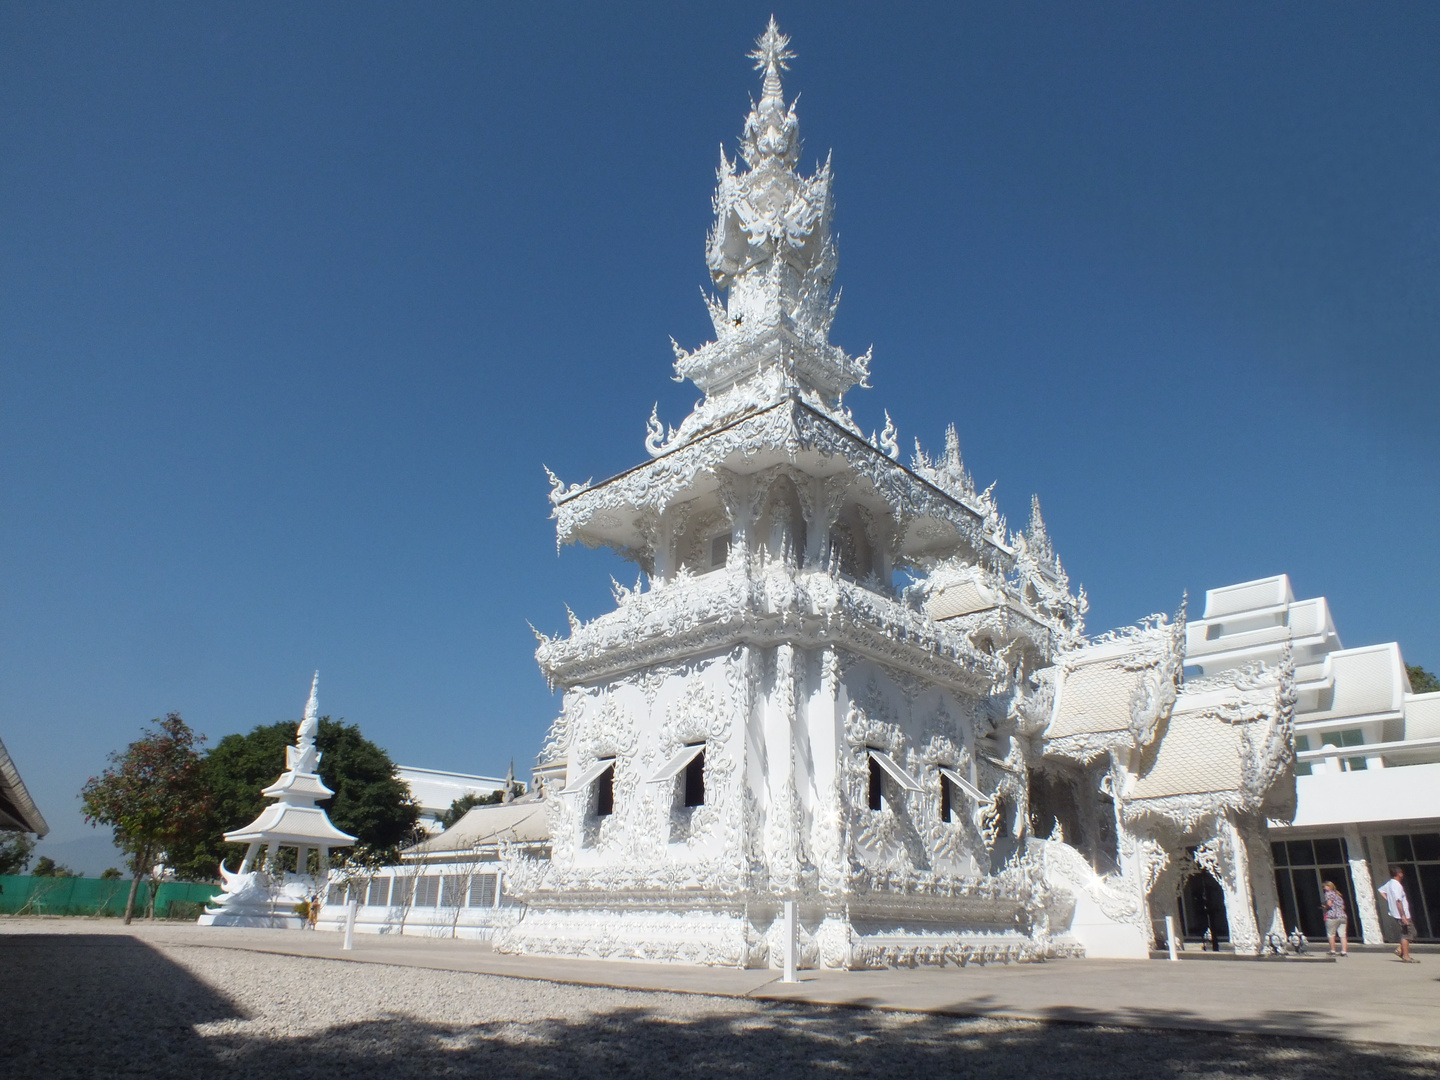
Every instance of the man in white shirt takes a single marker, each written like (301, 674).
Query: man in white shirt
(1394, 894)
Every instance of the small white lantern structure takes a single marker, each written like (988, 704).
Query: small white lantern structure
(263, 897)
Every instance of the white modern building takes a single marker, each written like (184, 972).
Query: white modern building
(435, 790)
(1367, 757)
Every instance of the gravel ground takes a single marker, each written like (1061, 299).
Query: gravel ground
(109, 1005)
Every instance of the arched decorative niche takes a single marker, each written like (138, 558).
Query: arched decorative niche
(851, 552)
(702, 544)
(782, 524)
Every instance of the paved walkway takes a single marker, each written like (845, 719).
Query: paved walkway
(1369, 997)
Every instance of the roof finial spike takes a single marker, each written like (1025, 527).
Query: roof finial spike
(1037, 534)
(770, 54)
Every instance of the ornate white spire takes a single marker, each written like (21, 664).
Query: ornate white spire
(310, 725)
(771, 130)
(771, 251)
(303, 756)
(1037, 535)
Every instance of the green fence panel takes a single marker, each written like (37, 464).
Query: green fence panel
(94, 896)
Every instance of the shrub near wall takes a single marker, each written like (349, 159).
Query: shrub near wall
(95, 896)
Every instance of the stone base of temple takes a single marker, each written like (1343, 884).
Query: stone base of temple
(959, 950)
(715, 938)
(866, 932)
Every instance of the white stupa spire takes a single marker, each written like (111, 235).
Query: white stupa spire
(310, 723)
(771, 130)
(306, 758)
(771, 252)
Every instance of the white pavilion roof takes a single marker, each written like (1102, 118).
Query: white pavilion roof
(524, 821)
(282, 823)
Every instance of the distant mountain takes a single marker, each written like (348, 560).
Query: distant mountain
(87, 855)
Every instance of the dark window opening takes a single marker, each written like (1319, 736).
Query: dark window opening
(877, 785)
(719, 550)
(945, 809)
(695, 781)
(1002, 819)
(605, 793)
(1202, 909)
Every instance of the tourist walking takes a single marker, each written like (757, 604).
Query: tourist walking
(1394, 893)
(1333, 905)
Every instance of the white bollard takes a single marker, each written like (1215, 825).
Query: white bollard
(792, 930)
(350, 925)
(1170, 936)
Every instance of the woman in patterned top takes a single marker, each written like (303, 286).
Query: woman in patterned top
(1333, 905)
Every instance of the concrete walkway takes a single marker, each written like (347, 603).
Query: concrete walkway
(1369, 997)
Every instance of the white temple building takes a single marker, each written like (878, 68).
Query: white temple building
(1367, 757)
(843, 681)
(260, 893)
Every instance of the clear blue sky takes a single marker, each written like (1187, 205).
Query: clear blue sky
(296, 299)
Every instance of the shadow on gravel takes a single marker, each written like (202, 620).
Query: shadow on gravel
(1282, 1023)
(111, 1006)
(784, 1040)
(81, 1005)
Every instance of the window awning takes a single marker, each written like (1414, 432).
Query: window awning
(964, 785)
(588, 777)
(899, 775)
(671, 768)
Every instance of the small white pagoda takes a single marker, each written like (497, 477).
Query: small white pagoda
(263, 895)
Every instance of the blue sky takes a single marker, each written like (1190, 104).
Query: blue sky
(295, 301)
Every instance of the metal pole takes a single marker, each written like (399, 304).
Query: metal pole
(791, 933)
(1170, 936)
(350, 924)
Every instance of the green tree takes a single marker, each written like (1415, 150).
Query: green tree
(459, 808)
(153, 796)
(371, 802)
(48, 867)
(1422, 681)
(15, 851)
(110, 873)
